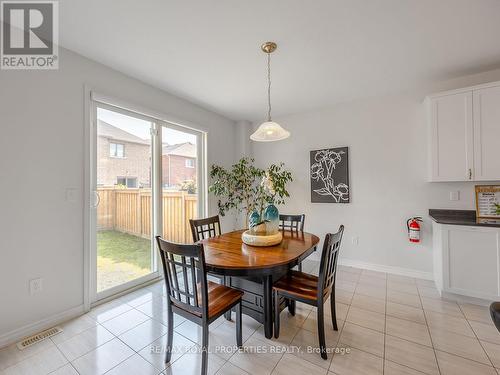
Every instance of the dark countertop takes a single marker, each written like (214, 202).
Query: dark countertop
(461, 217)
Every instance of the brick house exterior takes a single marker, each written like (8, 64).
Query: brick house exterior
(178, 164)
(130, 166)
(125, 159)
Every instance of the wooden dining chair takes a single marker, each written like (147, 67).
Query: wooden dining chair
(205, 228)
(191, 296)
(312, 290)
(293, 223)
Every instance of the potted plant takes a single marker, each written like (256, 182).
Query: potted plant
(252, 190)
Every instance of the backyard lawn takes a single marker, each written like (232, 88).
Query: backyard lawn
(121, 257)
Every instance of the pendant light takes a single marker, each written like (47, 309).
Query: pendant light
(269, 131)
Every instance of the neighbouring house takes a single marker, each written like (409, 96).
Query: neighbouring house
(178, 164)
(123, 158)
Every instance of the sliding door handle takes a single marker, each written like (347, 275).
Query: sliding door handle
(97, 199)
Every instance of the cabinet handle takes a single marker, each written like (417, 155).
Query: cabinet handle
(470, 174)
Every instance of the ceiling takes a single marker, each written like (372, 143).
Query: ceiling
(329, 51)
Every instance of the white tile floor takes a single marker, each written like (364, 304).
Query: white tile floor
(390, 325)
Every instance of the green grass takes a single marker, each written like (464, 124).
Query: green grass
(123, 247)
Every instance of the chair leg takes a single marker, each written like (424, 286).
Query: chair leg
(334, 310)
(239, 334)
(291, 307)
(300, 267)
(170, 335)
(204, 350)
(227, 314)
(276, 314)
(321, 332)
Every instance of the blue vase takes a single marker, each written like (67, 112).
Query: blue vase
(271, 215)
(253, 219)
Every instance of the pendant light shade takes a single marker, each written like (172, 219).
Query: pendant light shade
(269, 131)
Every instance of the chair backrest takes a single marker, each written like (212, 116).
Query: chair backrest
(294, 223)
(328, 264)
(205, 228)
(185, 276)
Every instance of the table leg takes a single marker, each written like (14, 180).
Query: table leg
(267, 284)
(226, 282)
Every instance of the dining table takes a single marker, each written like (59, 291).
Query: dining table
(253, 269)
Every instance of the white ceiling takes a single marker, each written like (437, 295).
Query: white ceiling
(208, 51)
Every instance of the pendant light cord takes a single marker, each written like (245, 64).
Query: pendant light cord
(269, 86)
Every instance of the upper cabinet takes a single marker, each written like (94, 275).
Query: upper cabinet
(464, 134)
(487, 133)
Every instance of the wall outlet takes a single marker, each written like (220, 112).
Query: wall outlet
(454, 195)
(355, 241)
(36, 286)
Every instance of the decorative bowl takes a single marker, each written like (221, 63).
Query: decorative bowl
(261, 240)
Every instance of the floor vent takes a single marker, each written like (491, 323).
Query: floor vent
(38, 337)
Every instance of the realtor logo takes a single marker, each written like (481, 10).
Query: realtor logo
(29, 35)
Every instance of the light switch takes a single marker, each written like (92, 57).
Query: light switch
(454, 195)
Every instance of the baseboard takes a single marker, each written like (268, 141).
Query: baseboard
(30, 329)
(466, 299)
(389, 269)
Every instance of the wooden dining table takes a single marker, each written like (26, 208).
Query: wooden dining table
(253, 269)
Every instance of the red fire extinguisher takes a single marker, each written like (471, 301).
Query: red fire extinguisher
(414, 229)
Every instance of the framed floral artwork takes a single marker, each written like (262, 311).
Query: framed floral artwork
(330, 175)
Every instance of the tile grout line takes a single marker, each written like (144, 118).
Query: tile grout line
(429, 332)
(345, 320)
(475, 335)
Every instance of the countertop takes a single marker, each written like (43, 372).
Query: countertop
(461, 217)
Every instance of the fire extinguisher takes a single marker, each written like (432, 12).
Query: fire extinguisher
(413, 227)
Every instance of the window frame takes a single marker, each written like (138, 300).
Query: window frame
(116, 144)
(127, 179)
(193, 163)
(96, 99)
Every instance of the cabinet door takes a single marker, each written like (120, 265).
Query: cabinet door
(451, 137)
(487, 134)
(470, 262)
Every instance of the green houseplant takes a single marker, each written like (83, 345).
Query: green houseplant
(244, 187)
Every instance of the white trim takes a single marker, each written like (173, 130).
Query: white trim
(93, 100)
(32, 328)
(87, 217)
(112, 297)
(118, 103)
(464, 89)
(389, 269)
(126, 287)
(466, 299)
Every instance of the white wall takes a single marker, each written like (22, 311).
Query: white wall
(42, 154)
(387, 144)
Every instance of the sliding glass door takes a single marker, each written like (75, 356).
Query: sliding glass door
(147, 179)
(181, 181)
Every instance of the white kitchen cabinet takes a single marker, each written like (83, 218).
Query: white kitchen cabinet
(487, 133)
(466, 260)
(451, 135)
(464, 134)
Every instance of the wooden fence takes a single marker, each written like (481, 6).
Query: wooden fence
(129, 211)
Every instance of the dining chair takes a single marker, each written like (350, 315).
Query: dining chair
(312, 290)
(192, 296)
(293, 223)
(205, 228)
